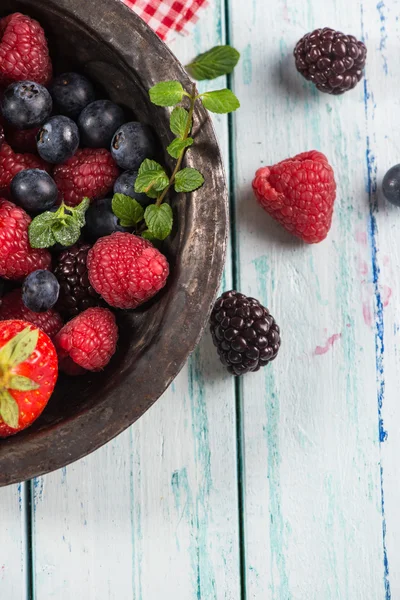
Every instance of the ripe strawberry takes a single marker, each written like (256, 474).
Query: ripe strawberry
(89, 173)
(29, 372)
(299, 193)
(17, 257)
(12, 163)
(126, 270)
(13, 308)
(23, 51)
(88, 341)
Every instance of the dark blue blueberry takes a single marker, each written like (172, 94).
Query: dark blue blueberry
(391, 185)
(131, 144)
(71, 92)
(34, 190)
(26, 104)
(125, 184)
(98, 122)
(101, 221)
(40, 291)
(58, 139)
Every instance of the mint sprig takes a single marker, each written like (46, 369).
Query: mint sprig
(220, 60)
(62, 226)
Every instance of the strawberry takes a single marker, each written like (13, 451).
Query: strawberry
(28, 374)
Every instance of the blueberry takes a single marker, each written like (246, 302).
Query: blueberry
(131, 144)
(125, 184)
(101, 221)
(26, 104)
(40, 291)
(98, 122)
(71, 92)
(34, 190)
(391, 185)
(58, 139)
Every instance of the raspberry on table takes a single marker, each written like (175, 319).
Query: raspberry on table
(126, 270)
(299, 193)
(88, 341)
(23, 51)
(333, 61)
(12, 307)
(17, 257)
(12, 163)
(89, 173)
(244, 333)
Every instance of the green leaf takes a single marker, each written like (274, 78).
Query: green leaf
(40, 230)
(176, 147)
(166, 93)
(48, 228)
(220, 60)
(179, 121)
(220, 101)
(127, 209)
(22, 384)
(151, 178)
(147, 235)
(68, 234)
(159, 220)
(9, 411)
(19, 348)
(188, 180)
(80, 210)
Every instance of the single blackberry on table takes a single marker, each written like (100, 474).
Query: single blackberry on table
(244, 332)
(333, 61)
(76, 293)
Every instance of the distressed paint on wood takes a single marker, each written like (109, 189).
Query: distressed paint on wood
(13, 543)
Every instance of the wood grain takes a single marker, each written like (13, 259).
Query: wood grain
(13, 546)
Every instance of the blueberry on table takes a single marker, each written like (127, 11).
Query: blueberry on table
(391, 185)
(26, 104)
(58, 139)
(40, 291)
(98, 122)
(125, 184)
(71, 92)
(132, 144)
(101, 221)
(34, 190)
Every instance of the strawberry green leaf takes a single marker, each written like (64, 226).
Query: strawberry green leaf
(179, 121)
(127, 209)
(159, 220)
(9, 411)
(166, 93)
(220, 101)
(19, 348)
(220, 60)
(188, 180)
(22, 384)
(177, 146)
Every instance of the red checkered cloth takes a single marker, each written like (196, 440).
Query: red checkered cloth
(166, 15)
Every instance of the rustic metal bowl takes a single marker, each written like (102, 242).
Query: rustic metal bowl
(113, 46)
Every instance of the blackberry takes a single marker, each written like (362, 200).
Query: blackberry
(244, 332)
(76, 293)
(333, 61)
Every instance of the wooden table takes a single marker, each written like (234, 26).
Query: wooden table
(283, 485)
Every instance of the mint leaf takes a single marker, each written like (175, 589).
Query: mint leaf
(151, 178)
(220, 101)
(41, 232)
(63, 226)
(9, 411)
(80, 210)
(22, 384)
(188, 180)
(147, 235)
(159, 220)
(176, 147)
(179, 121)
(19, 348)
(166, 93)
(220, 60)
(127, 209)
(67, 234)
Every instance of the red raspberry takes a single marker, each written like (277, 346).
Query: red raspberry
(13, 308)
(12, 163)
(17, 257)
(89, 173)
(126, 270)
(23, 51)
(88, 341)
(23, 140)
(299, 193)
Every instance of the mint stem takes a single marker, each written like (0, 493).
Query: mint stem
(193, 99)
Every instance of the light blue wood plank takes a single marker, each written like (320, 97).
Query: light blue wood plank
(13, 543)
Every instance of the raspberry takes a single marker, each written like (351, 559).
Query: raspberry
(334, 62)
(299, 193)
(13, 308)
(244, 332)
(76, 293)
(23, 140)
(89, 341)
(126, 270)
(12, 163)
(89, 173)
(23, 51)
(17, 257)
